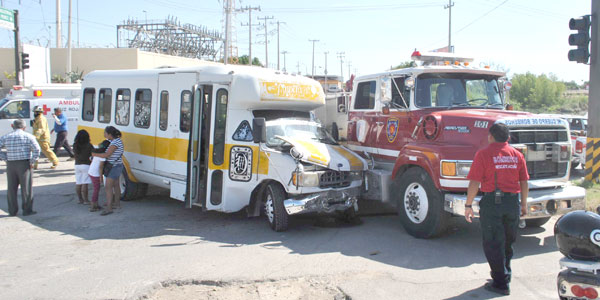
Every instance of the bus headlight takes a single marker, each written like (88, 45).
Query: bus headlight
(307, 179)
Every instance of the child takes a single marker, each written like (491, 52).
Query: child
(83, 151)
(95, 173)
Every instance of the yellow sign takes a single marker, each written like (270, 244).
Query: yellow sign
(273, 90)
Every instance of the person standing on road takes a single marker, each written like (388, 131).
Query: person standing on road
(83, 151)
(22, 151)
(42, 134)
(60, 126)
(95, 173)
(113, 168)
(501, 171)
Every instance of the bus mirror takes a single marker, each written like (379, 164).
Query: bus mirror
(259, 130)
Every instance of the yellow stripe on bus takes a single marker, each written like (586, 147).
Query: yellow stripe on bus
(355, 163)
(174, 149)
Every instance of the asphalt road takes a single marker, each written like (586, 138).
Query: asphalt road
(66, 252)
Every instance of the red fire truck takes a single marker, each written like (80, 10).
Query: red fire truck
(421, 126)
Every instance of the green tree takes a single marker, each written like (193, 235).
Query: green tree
(406, 64)
(243, 60)
(537, 93)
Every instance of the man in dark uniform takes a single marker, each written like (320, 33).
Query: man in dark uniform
(502, 172)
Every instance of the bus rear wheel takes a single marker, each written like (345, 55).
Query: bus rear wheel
(131, 190)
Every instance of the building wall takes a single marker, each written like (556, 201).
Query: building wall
(91, 59)
(7, 64)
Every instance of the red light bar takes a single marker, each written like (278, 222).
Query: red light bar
(416, 53)
(17, 87)
(37, 93)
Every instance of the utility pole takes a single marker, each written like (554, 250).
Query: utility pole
(449, 7)
(284, 53)
(349, 70)
(326, 85)
(298, 67)
(227, 32)
(278, 42)
(58, 30)
(69, 44)
(313, 58)
(341, 56)
(249, 10)
(265, 19)
(592, 167)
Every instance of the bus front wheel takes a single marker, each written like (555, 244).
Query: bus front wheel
(274, 208)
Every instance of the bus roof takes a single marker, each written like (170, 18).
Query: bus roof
(250, 87)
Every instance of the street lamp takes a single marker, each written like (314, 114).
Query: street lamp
(146, 15)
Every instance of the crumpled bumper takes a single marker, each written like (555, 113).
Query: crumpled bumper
(540, 203)
(325, 202)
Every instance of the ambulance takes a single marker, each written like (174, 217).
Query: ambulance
(225, 138)
(20, 102)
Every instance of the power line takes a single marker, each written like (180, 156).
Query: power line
(482, 16)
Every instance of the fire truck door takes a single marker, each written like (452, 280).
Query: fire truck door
(365, 116)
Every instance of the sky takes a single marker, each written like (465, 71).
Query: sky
(516, 36)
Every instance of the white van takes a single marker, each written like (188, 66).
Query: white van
(225, 138)
(20, 101)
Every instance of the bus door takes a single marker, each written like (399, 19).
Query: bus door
(172, 125)
(199, 137)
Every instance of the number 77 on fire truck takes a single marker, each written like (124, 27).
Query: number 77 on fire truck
(421, 126)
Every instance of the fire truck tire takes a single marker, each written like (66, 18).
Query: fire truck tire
(131, 190)
(335, 133)
(274, 209)
(539, 222)
(420, 206)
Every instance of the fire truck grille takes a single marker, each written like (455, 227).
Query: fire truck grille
(520, 136)
(334, 179)
(546, 168)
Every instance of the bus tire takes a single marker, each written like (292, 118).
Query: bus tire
(274, 209)
(335, 133)
(420, 206)
(538, 222)
(129, 189)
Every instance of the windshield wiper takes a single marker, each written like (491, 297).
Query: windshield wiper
(494, 104)
(458, 104)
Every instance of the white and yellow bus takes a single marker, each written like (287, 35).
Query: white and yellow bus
(224, 138)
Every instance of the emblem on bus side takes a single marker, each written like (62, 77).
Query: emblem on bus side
(392, 129)
(240, 165)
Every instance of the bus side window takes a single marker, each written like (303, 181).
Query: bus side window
(16, 110)
(163, 119)
(220, 122)
(122, 104)
(88, 104)
(143, 105)
(104, 105)
(186, 111)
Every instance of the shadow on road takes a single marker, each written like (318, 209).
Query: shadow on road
(378, 238)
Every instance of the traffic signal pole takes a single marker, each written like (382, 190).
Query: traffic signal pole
(592, 160)
(17, 50)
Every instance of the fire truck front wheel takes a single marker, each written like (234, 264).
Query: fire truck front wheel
(274, 208)
(420, 206)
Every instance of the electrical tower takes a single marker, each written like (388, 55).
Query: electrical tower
(170, 37)
(229, 50)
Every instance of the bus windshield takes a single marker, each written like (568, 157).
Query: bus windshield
(297, 129)
(457, 90)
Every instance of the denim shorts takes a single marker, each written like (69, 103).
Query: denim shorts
(115, 171)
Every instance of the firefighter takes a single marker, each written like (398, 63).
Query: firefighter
(42, 134)
(501, 171)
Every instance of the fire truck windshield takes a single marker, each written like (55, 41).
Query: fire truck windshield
(297, 129)
(457, 90)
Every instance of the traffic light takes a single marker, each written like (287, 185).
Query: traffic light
(24, 61)
(581, 39)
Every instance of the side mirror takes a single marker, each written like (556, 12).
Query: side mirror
(259, 130)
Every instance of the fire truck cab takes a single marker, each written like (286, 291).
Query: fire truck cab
(421, 126)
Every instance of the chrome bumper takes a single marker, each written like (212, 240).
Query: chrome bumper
(325, 202)
(540, 203)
